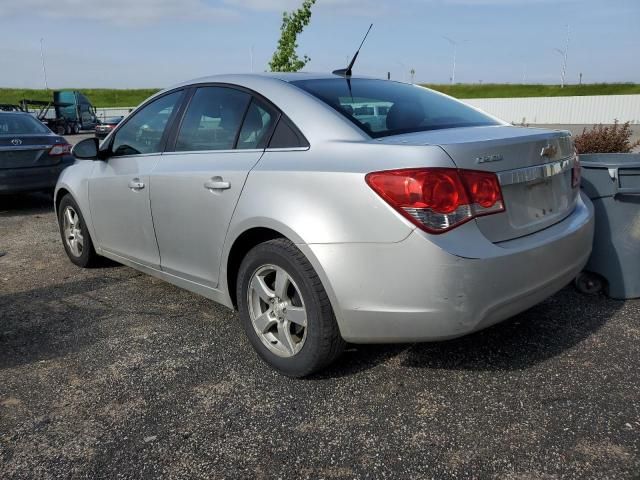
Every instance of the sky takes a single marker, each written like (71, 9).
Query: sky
(157, 43)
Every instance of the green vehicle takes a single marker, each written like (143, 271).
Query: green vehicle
(68, 113)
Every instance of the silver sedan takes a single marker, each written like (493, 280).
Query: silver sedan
(328, 209)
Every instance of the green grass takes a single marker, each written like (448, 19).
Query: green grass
(105, 97)
(498, 90)
(99, 97)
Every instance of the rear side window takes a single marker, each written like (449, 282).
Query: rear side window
(16, 124)
(286, 135)
(382, 108)
(212, 120)
(257, 126)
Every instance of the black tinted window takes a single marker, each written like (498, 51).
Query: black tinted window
(213, 119)
(257, 126)
(287, 136)
(143, 131)
(382, 108)
(15, 124)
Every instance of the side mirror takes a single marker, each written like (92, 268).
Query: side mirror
(86, 149)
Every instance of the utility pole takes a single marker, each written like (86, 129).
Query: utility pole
(580, 78)
(251, 55)
(413, 75)
(564, 53)
(44, 68)
(454, 44)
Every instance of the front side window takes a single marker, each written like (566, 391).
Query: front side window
(382, 108)
(69, 97)
(213, 119)
(142, 134)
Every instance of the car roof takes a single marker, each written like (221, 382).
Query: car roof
(241, 78)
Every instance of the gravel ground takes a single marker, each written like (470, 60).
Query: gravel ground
(108, 373)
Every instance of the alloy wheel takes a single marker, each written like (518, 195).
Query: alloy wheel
(72, 228)
(277, 310)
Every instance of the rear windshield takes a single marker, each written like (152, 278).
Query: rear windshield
(382, 108)
(14, 124)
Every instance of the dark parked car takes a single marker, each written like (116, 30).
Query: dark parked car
(104, 128)
(31, 155)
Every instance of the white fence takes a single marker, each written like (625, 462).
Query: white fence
(563, 110)
(112, 112)
(535, 110)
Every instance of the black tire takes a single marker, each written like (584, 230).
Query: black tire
(88, 256)
(67, 129)
(60, 130)
(323, 343)
(75, 129)
(589, 283)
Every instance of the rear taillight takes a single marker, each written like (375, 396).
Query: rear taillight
(576, 172)
(439, 199)
(61, 149)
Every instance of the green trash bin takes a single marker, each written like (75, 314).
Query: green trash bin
(612, 182)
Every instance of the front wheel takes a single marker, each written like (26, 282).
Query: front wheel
(75, 235)
(285, 311)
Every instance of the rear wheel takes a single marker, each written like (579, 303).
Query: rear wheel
(75, 235)
(67, 129)
(285, 311)
(60, 130)
(75, 129)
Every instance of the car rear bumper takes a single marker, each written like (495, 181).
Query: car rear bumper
(415, 290)
(16, 180)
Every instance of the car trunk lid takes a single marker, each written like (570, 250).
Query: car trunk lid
(25, 151)
(534, 167)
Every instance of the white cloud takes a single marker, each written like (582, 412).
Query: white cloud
(282, 5)
(120, 12)
(136, 12)
(504, 3)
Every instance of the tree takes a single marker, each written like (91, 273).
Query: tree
(285, 58)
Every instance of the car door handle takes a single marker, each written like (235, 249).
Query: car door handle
(217, 183)
(136, 184)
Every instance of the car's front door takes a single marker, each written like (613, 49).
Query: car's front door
(119, 185)
(195, 188)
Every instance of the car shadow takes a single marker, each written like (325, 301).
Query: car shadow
(52, 321)
(26, 204)
(540, 333)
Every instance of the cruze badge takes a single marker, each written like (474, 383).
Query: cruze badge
(489, 158)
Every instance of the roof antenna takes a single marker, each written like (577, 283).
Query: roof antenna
(346, 72)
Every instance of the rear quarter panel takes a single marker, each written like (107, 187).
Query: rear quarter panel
(320, 195)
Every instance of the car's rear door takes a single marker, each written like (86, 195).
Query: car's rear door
(119, 185)
(196, 185)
